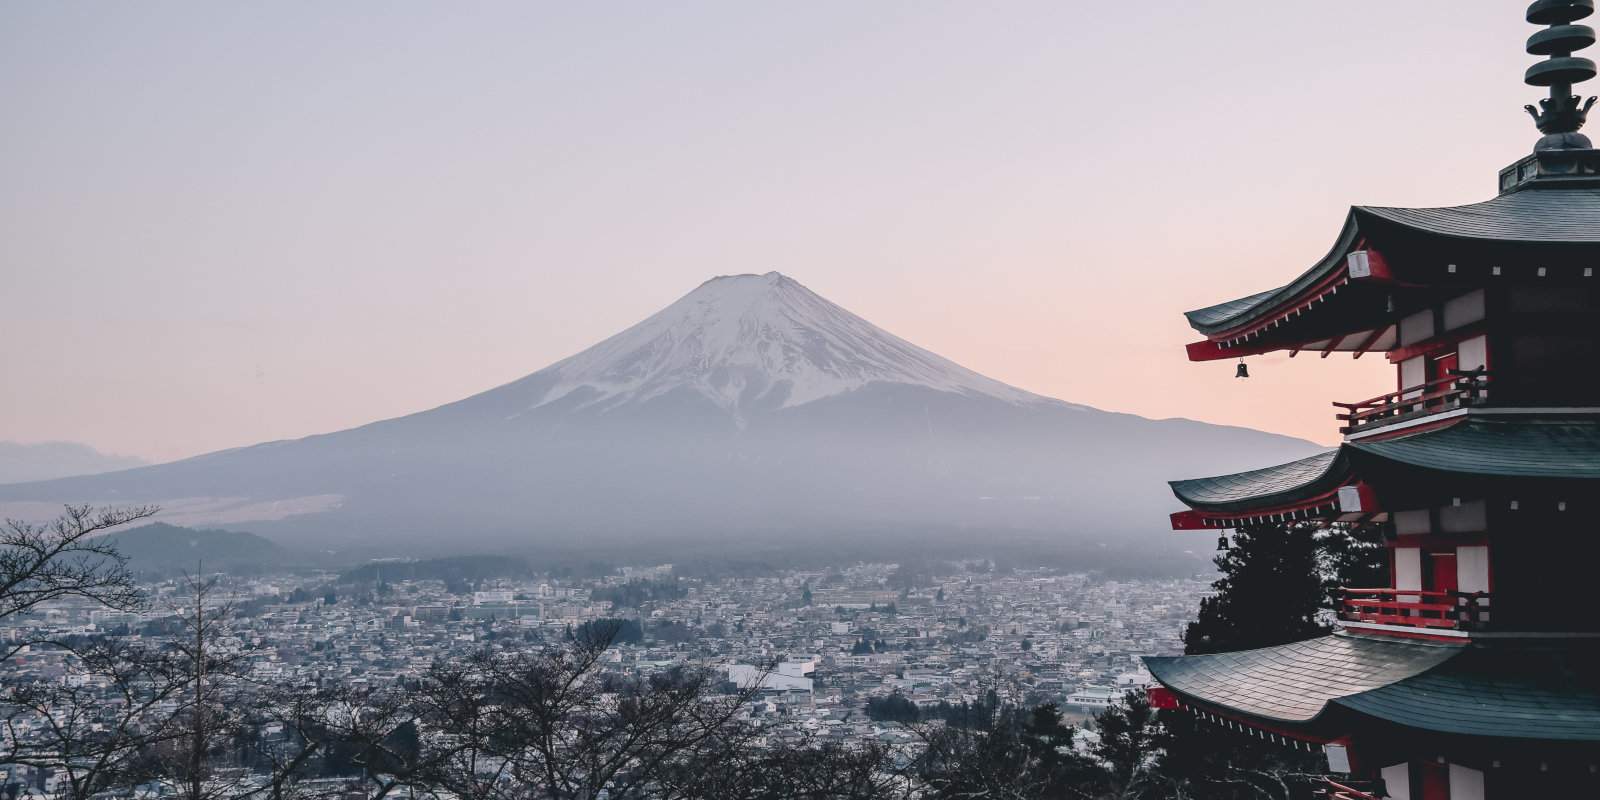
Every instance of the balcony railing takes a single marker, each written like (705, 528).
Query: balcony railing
(1459, 389)
(1416, 608)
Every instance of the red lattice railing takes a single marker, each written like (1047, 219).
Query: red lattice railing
(1416, 608)
(1333, 790)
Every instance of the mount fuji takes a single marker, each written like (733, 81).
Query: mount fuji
(750, 413)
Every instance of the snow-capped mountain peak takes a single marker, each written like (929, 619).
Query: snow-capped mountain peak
(748, 341)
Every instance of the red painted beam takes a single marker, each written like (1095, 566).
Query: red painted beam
(1208, 350)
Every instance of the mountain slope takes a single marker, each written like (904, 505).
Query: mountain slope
(750, 411)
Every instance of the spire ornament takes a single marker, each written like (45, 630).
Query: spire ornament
(1560, 116)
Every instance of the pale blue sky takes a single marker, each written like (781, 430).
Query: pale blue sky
(222, 223)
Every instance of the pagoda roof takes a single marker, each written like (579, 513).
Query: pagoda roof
(1555, 216)
(1546, 216)
(1295, 682)
(1499, 447)
(1524, 689)
(1511, 446)
(1235, 313)
(1284, 482)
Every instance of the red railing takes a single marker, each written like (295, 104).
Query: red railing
(1416, 608)
(1333, 790)
(1459, 388)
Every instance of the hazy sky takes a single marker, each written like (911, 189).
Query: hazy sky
(222, 223)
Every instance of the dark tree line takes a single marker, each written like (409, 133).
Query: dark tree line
(636, 593)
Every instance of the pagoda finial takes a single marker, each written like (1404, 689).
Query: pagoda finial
(1561, 115)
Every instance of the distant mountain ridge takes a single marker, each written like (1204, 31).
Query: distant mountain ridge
(45, 460)
(166, 549)
(748, 415)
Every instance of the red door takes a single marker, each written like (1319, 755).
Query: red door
(1442, 571)
(1435, 781)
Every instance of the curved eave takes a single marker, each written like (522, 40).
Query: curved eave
(1294, 683)
(1536, 692)
(1234, 315)
(1280, 484)
(1335, 484)
(1556, 218)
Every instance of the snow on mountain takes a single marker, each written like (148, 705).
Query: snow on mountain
(750, 411)
(748, 341)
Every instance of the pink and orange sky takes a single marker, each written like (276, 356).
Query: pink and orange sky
(228, 223)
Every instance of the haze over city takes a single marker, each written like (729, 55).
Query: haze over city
(230, 224)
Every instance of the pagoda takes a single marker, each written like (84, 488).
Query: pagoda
(1476, 672)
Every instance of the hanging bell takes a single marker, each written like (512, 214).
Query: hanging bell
(1241, 371)
(1222, 542)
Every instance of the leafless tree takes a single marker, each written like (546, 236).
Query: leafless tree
(551, 724)
(97, 725)
(804, 770)
(211, 746)
(211, 714)
(64, 558)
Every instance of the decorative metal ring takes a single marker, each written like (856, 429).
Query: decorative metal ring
(1568, 70)
(1560, 40)
(1559, 12)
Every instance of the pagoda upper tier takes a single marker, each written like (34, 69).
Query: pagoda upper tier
(1389, 264)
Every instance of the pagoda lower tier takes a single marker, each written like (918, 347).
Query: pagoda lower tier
(1489, 520)
(1411, 719)
(1475, 673)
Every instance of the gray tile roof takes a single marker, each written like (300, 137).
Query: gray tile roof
(1520, 448)
(1548, 691)
(1295, 682)
(1223, 312)
(1499, 690)
(1538, 216)
(1259, 486)
(1564, 216)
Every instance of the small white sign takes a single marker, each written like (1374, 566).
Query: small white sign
(1350, 499)
(1360, 264)
(1338, 758)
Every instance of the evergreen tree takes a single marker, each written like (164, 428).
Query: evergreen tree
(1129, 736)
(1271, 592)
(1275, 588)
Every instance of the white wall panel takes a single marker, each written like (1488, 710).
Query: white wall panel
(1472, 568)
(1465, 783)
(1408, 571)
(1413, 371)
(1397, 780)
(1473, 353)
